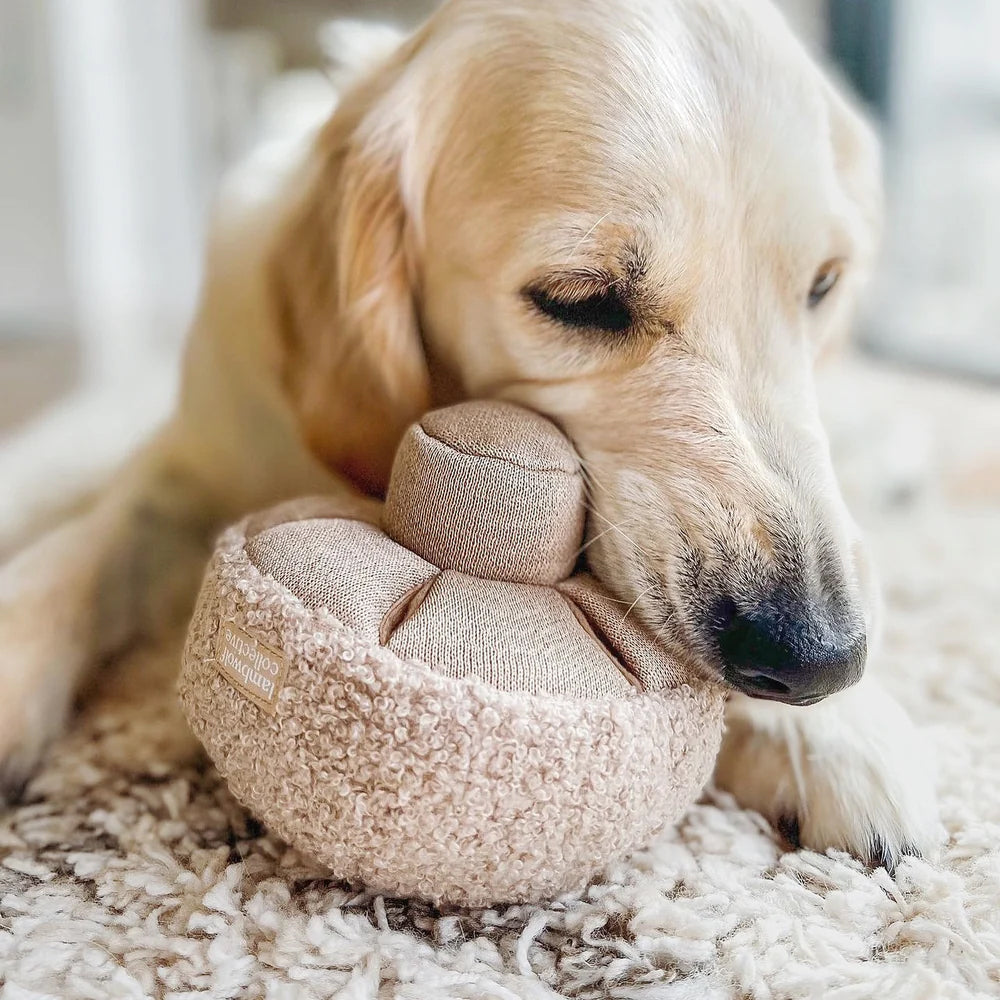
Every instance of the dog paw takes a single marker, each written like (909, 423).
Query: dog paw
(19, 759)
(23, 743)
(33, 712)
(38, 666)
(851, 773)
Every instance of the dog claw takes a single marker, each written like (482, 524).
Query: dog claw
(13, 784)
(884, 856)
(790, 828)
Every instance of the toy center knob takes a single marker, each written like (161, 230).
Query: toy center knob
(489, 489)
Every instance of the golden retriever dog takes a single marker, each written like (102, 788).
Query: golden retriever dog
(643, 218)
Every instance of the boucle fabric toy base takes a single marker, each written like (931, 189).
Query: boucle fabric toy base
(424, 696)
(423, 785)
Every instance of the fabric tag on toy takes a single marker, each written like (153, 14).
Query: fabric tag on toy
(250, 666)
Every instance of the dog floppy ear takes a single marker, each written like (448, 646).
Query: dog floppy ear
(858, 161)
(343, 269)
(858, 164)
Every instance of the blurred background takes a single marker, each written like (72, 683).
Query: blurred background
(117, 118)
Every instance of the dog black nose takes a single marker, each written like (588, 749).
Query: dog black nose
(783, 653)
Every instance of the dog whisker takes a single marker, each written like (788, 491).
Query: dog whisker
(613, 527)
(642, 594)
(590, 232)
(617, 527)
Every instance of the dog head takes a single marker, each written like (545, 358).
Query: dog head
(646, 220)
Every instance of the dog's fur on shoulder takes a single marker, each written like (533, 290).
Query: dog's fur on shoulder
(644, 218)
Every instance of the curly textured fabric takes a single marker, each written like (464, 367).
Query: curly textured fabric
(417, 784)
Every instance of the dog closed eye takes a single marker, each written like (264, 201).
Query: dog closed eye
(583, 306)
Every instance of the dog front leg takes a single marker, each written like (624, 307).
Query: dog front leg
(851, 773)
(125, 568)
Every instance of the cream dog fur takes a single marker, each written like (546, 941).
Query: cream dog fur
(643, 218)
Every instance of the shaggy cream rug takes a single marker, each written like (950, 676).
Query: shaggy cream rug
(130, 872)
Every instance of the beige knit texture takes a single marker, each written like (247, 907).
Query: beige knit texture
(490, 489)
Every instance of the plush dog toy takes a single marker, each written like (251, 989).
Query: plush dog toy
(429, 701)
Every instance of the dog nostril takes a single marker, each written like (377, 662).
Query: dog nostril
(764, 683)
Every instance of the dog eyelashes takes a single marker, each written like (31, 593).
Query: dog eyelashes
(603, 309)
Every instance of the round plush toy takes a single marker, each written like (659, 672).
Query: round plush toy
(425, 699)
